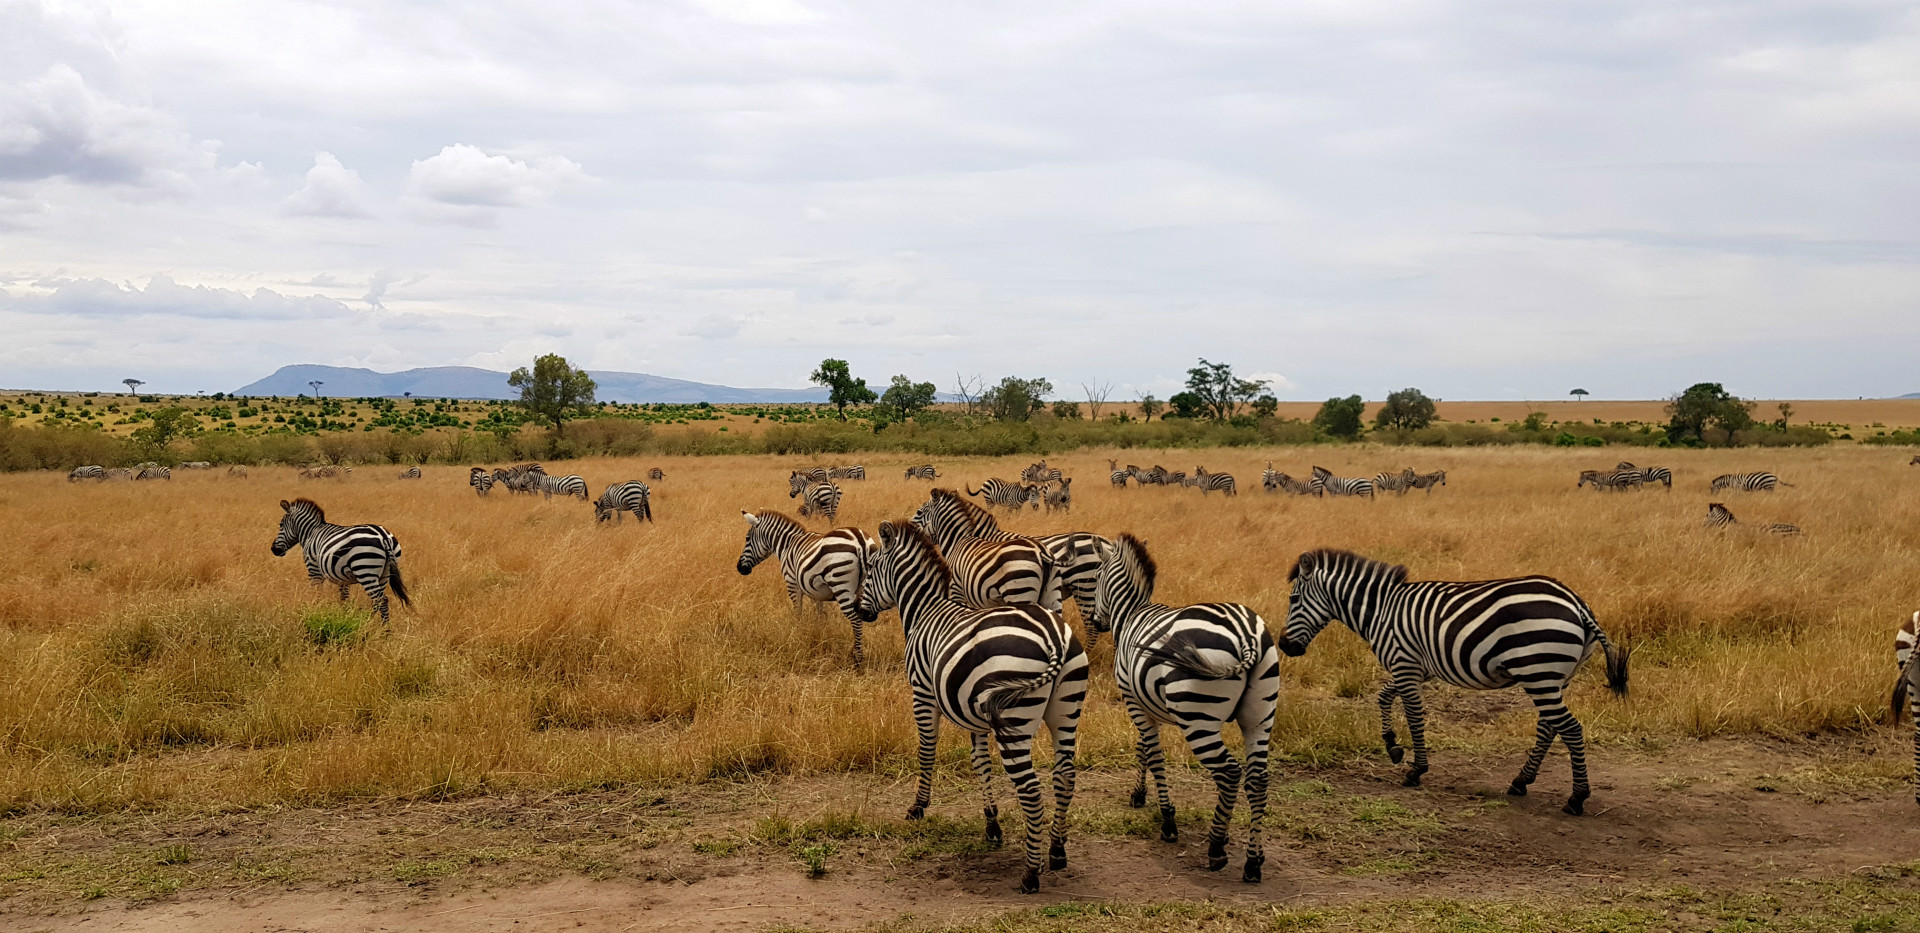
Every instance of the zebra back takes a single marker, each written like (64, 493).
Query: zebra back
(822, 497)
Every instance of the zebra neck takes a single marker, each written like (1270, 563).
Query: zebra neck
(1368, 604)
(319, 530)
(784, 539)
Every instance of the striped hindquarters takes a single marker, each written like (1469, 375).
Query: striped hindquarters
(87, 472)
(1747, 482)
(480, 480)
(410, 473)
(569, 485)
(155, 472)
(631, 496)
(1220, 481)
(823, 498)
(1010, 495)
(850, 472)
(1325, 482)
(924, 471)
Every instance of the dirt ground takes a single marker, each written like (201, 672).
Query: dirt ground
(1718, 815)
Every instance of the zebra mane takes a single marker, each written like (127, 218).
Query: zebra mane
(765, 516)
(1149, 571)
(1348, 561)
(318, 512)
(975, 517)
(901, 529)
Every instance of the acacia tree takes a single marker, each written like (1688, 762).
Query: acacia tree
(553, 390)
(1579, 395)
(162, 428)
(1016, 399)
(1407, 408)
(1220, 392)
(1150, 406)
(1340, 417)
(1706, 404)
(133, 385)
(905, 396)
(842, 388)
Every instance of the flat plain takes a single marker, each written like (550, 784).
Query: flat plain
(573, 708)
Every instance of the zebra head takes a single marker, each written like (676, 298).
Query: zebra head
(603, 507)
(796, 483)
(302, 516)
(1313, 602)
(946, 518)
(1127, 574)
(759, 544)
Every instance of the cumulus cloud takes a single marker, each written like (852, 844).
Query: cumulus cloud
(163, 297)
(464, 176)
(714, 327)
(54, 125)
(331, 190)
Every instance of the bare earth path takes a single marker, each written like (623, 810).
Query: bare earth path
(1719, 815)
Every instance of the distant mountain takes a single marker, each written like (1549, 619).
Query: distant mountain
(1910, 395)
(471, 382)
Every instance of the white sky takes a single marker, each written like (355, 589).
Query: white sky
(1484, 200)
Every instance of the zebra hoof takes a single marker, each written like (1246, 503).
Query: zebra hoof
(1216, 854)
(1577, 804)
(1030, 882)
(993, 833)
(1057, 856)
(1252, 874)
(1139, 798)
(1413, 776)
(916, 812)
(1169, 830)
(1517, 789)
(1396, 752)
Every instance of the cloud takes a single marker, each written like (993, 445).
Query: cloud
(331, 190)
(464, 176)
(54, 125)
(163, 297)
(714, 327)
(1276, 383)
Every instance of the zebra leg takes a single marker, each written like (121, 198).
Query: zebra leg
(1210, 746)
(1416, 710)
(1576, 741)
(926, 721)
(343, 591)
(1016, 753)
(1152, 758)
(1913, 713)
(983, 769)
(859, 644)
(1387, 695)
(1543, 732)
(1065, 729)
(1256, 729)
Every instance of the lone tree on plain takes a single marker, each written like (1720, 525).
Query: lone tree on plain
(1016, 399)
(1097, 393)
(1221, 393)
(1407, 408)
(553, 390)
(133, 385)
(1150, 406)
(905, 396)
(1579, 395)
(315, 385)
(1706, 404)
(163, 427)
(843, 389)
(1341, 417)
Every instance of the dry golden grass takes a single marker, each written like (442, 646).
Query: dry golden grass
(152, 651)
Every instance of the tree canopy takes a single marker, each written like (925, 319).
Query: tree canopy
(553, 390)
(842, 388)
(1221, 393)
(1016, 399)
(905, 396)
(163, 427)
(1150, 406)
(1407, 408)
(1186, 405)
(1706, 405)
(1341, 417)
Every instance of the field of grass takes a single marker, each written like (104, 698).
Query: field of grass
(154, 654)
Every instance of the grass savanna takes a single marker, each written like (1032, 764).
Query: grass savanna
(153, 653)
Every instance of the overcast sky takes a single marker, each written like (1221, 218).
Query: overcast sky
(1484, 200)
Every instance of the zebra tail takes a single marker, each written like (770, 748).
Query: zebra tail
(1617, 657)
(396, 584)
(969, 488)
(1187, 659)
(1006, 694)
(1898, 702)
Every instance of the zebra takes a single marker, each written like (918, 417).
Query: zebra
(1394, 482)
(1719, 516)
(822, 497)
(1915, 461)
(851, 472)
(1281, 482)
(1427, 481)
(996, 673)
(196, 465)
(1270, 477)
(1195, 667)
(120, 473)
(155, 472)
(1747, 482)
(1612, 479)
(1034, 473)
(989, 567)
(1075, 555)
(1058, 497)
(1221, 481)
(520, 478)
(1003, 493)
(1142, 477)
(800, 479)
(1325, 483)
(1175, 478)
(410, 473)
(656, 474)
(342, 554)
(569, 485)
(481, 481)
(830, 567)
(87, 472)
(1906, 687)
(236, 472)
(1117, 476)
(924, 471)
(632, 496)
(1650, 475)
(1481, 635)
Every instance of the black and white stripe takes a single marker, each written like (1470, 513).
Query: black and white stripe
(522, 478)
(1747, 482)
(568, 485)
(1650, 475)
(86, 472)
(1325, 483)
(410, 473)
(1482, 635)
(1010, 495)
(480, 480)
(656, 474)
(120, 473)
(1906, 687)
(1057, 496)
(342, 554)
(1117, 476)
(996, 673)
(1196, 668)
(848, 472)
(822, 498)
(631, 496)
(799, 479)
(989, 567)
(923, 471)
(155, 472)
(1611, 479)
(1719, 516)
(1427, 481)
(1394, 482)
(1208, 482)
(830, 567)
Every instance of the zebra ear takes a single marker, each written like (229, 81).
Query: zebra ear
(1302, 566)
(286, 506)
(886, 534)
(751, 518)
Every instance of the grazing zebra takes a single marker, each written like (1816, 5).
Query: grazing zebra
(1427, 481)
(236, 472)
(1197, 668)
(1915, 461)
(1281, 482)
(822, 497)
(1117, 476)
(829, 567)
(521, 478)
(342, 554)
(1034, 473)
(656, 474)
(1174, 478)
(1221, 481)
(481, 481)
(990, 567)
(1394, 482)
(1482, 635)
(196, 465)
(1612, 479)
(632, 496)
(1143, 477)
(1718, 516)
(1747, 482)
(1003, 493)
(1058, 497)
(1325, 483)
(87, 472)
(851, 472)
(996, 673)
(800, 479)
(120, 473)
(1906, 687)
(923, 471)
(1650, 475)
(569, 485)
(155, 472)
(410, 473)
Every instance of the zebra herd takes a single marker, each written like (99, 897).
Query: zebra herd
(1322, 482)
(1626, 476)
(143, 471)
(1201, 478)
(989, 651)
(531, 478)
